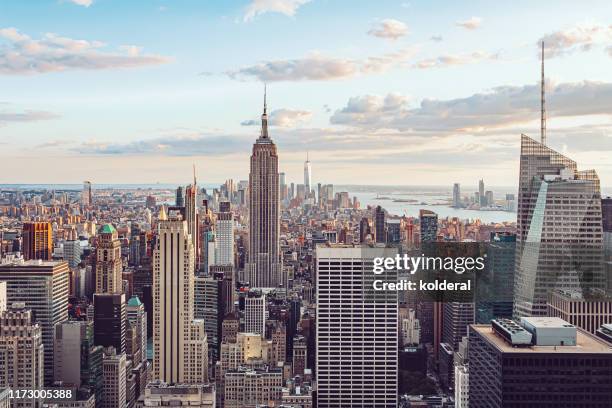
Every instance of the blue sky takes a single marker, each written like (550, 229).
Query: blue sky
(396, 92)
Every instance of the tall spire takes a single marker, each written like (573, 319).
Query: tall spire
(264, 117)
(194, 176)
(542, 102)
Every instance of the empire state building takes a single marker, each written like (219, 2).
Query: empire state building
(264, 268)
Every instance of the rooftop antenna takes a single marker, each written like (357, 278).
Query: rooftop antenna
(194, 176)
(542, 102)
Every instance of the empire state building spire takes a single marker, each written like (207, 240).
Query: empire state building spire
(264, 118)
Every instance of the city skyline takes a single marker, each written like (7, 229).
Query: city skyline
(438, 91)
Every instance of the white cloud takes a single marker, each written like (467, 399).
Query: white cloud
(436, 38)
(471, 24)
(389, 28)
(84, 3)
(25, 116)
(286, 7)
(52, 53)
(501, 107)
(581, 37)
(451, 59)
(320, 67)
(286, 118)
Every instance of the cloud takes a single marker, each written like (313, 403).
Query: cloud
(22, 55)
(390, 29)
(471, 24)
(320, 67)
(286, 7)
(436, 38)
(84, 3)
(500, 107)
(25, 116)
(581, 37)
(286, 118)
(449, 59)
(193, 144)
(54, 143)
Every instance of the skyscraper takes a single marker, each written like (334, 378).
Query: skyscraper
(86, 196)
(43, 287)
(108, 261)
(137, 316)
(180, 198)
(429, 225)
(191, 216)
(456, 195)
(559, 228)
(110, 321)
(21, 353)
(37, 240)
(481, 193)
(264, 268)
(179, 341)
(114, 371)
(255, 313)
(379, 224)
(356, 336)
(225, 235)
(73, 348)
(307, 176)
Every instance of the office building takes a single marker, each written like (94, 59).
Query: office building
(73, 343)
(456, 196)
(356, 336)
(110, 321)
(364, 230)
(247, 387)
(86, 195)
(43, 287)
(21, 353)
(206, 308)
(108, 261)
(137, 317)
(3, 295)
(494, 299)
(37, 240)
(114, 372)
(393, 230)
(588, 314)
(429, 225)
(180, 351)
(264, 269)
(307, 176)
(462, 386)
(191, 216)
(255, 313)
(180, 198)
(159, 394)
(559, 229)
(379, 224)
(542, 362)
(224, 235)
(73, 252)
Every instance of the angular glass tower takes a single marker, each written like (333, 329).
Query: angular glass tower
(559, 230)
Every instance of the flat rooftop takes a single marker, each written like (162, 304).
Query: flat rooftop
(585, 343)
(547, 322)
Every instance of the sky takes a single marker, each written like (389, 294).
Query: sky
(419, 92)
